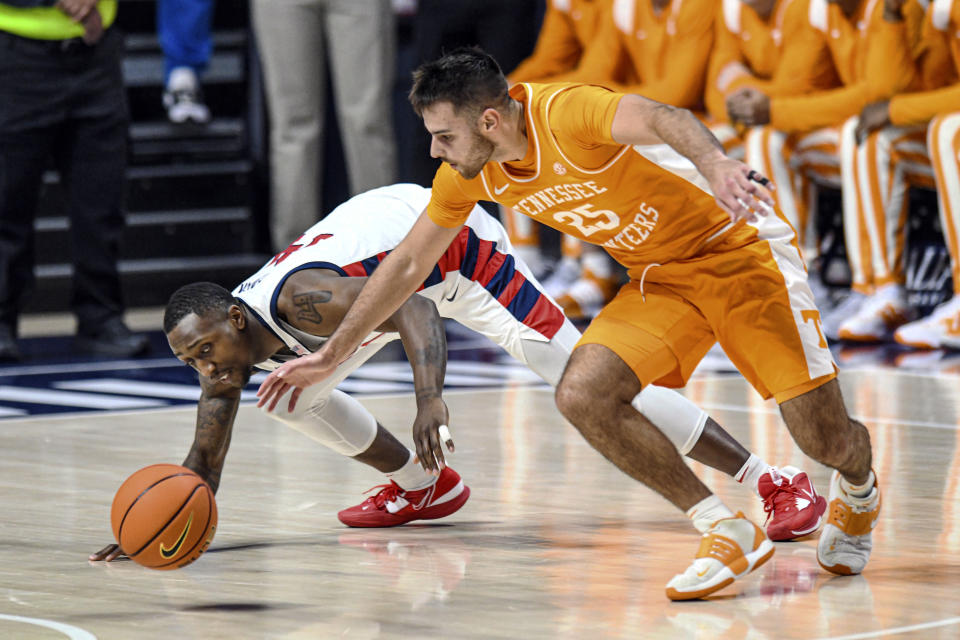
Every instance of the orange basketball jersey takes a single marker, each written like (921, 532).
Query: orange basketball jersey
(874, 59)
(643, 204)
(661, 55)
(942, 33)
(783, 55)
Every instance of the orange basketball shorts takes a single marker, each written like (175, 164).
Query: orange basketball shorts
(753, 299)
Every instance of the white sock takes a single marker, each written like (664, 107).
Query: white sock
(706, 512)
(858, 490)
(412, 476)
(751, 471)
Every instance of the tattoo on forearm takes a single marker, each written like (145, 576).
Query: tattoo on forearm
(214, 421)
(432, 357)
(307, 303)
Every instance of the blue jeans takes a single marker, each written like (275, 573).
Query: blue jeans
(183, 27)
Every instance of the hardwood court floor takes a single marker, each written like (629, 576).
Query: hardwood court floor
(554, 542)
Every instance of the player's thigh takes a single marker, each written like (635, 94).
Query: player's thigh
(658, 334)
(766, 319)
(505, 306)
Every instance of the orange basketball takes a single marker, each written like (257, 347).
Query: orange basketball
(164, 516)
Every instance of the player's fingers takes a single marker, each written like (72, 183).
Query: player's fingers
(444, 432)
(103, 553)
(748, 197)
(436, 446)
(758, 183)
(265, 386)
(425, 450)
(423, 455)
(276, 393)
(116, 553)
(729, 198)
(294, 396)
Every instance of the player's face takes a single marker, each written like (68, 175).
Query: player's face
(456, 140)
(214, 346)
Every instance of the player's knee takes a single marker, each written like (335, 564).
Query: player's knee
(573, 398)
(303, 407)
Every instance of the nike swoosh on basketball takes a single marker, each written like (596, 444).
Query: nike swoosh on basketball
(172, 551)
(499, 190)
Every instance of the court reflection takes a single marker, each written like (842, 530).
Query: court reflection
(419, 564)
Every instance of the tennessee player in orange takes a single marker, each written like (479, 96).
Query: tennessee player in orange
(569, 29)
(654, 48)
(872, 45)
(708, 262)
(770, 46)
(896, 156)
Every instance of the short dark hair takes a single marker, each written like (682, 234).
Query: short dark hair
(468, 78)
(199, 298)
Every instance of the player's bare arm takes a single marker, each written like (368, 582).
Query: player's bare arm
(397, 277)
(216, 411)
(316, 301)
(739, 190)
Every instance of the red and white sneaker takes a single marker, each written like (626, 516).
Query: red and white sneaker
(392, 506)
(793, 507)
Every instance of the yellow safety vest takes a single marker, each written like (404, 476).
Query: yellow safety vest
(48, 23)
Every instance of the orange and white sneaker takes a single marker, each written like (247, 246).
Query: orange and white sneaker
(845, 542)
(731, 549)
(793, 507)
(939, 329)
(392, 506)
(879, 316)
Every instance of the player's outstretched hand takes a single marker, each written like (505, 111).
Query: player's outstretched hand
(297, 375)
(430, 433)
(739, 190)
(108, 553)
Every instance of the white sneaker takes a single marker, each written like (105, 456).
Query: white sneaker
(846, 540)
(878, 317)
(940, 329)
(566, 273)
(832, 319)
(183, 98)
(731, 549)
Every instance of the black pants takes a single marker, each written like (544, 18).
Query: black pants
(65, 102)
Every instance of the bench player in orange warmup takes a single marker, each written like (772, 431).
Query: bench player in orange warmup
(708, 261)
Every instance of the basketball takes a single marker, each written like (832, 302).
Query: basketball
(164, 516)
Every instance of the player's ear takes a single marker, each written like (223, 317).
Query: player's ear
(237, 317)
(490, 119)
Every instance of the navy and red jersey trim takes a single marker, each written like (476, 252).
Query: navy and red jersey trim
(480, 260)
